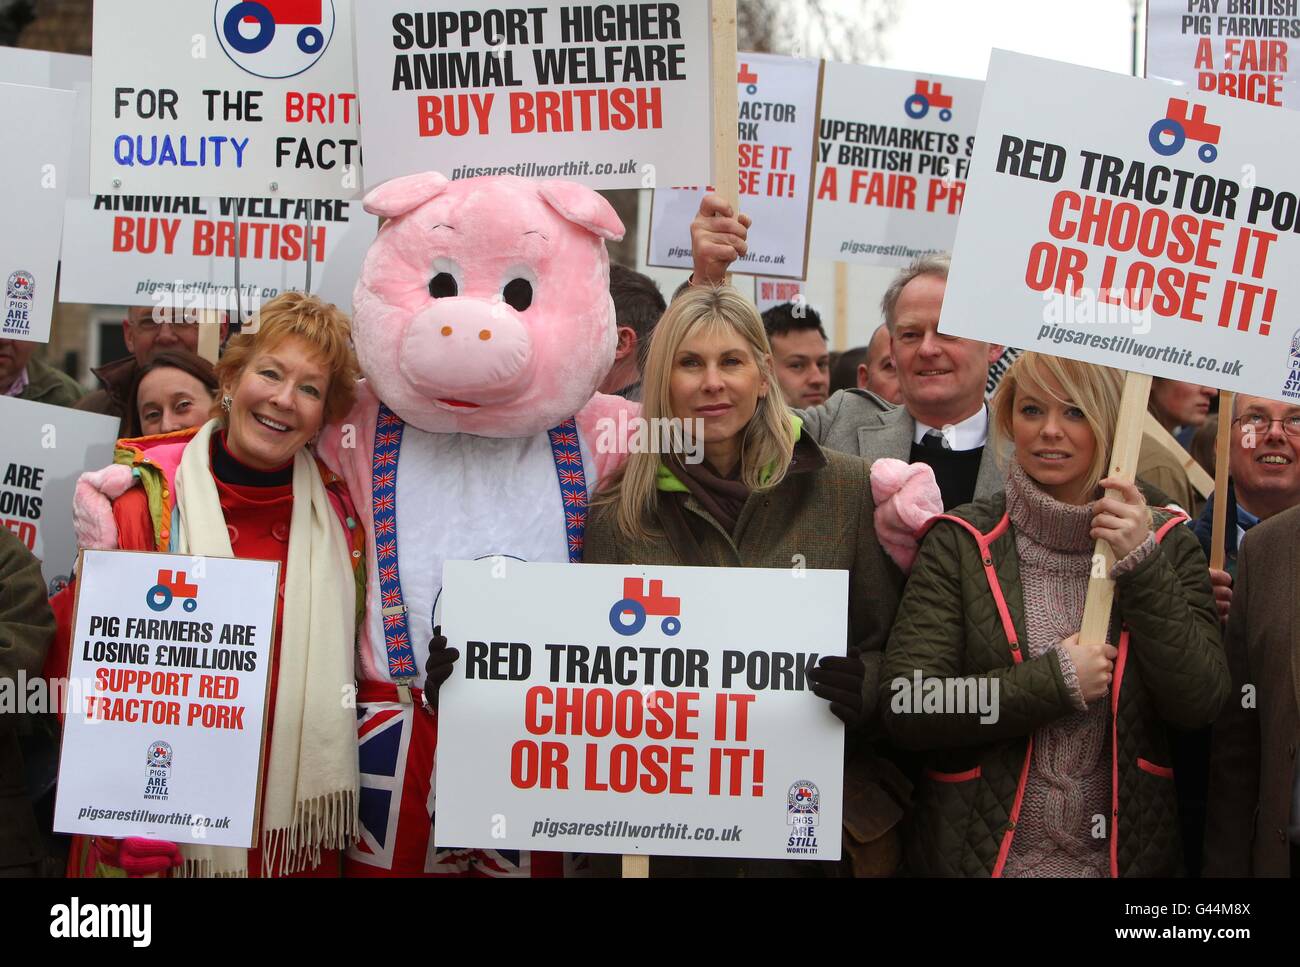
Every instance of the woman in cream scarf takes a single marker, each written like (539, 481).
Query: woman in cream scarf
(248, 485)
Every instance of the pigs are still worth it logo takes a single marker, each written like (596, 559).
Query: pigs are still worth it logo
(274, 38)
(637, 604)
(802, 812)
(159, 762)
(19, 292)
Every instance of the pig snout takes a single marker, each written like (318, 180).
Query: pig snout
(467, 352)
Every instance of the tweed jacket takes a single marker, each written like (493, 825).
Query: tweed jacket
(1253, 758)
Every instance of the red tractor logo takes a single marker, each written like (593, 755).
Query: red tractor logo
(926, 96)
(270, 14)
(638, 604)
(1179, 127)
(160, 596)
(749, 79)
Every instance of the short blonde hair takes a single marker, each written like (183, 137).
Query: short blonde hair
(768, 441)
(319, 323)
(1095, 390)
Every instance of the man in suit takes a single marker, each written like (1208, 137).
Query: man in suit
(1253, 827)
(942, 420)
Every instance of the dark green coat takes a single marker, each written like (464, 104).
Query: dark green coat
(45, 384)
(26, 629)
(1170, 671)
(821, 514)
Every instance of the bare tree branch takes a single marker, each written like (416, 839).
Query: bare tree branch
(846, 30)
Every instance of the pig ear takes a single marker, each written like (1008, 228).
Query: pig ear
(401, 195)
(582, 206)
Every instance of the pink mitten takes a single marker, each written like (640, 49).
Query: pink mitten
(145, 857)
(906, 497)
(92, 506)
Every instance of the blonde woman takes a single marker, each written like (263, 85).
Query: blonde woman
(1046, 755)
(764, 495)
(247, 484)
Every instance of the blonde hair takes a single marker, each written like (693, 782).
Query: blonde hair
(1095, 390)
(768, 439)
(319, 323)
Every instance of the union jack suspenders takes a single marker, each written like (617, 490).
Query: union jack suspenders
(567, 455)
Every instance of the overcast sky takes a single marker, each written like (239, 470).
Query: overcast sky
(955, 36)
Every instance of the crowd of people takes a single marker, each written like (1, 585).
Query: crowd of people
(967, 527)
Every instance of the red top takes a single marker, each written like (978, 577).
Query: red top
(258, 521)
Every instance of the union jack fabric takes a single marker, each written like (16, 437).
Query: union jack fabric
(397, 741)
(566, 452)
(396, 744)
(573, 484)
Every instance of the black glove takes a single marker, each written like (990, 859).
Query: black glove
(438, 668)
(839, 681)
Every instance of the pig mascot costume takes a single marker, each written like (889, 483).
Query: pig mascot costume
(483, 324)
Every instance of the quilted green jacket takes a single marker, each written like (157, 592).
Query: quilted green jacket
(950, 624)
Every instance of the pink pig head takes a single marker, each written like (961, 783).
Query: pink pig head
(483, 306)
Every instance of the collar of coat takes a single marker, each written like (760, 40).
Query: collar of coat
(667, 481)
(116, 377)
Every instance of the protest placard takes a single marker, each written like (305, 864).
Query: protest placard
(612, 96)
(33, 185)
(778, 100)
(770, 293)
(893, 157)
(64, 72)
(180, 252)
(225, 98)
(168, 685)
(1121, 222)
(655, 710)
(1240, 50)
(46, 448)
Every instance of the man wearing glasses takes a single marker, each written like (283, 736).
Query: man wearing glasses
(148, 331)
(1263, 467)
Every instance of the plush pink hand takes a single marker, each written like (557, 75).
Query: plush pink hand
(146, 857)
(906, 496)
(92, 506)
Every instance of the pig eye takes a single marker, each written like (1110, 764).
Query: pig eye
(443, 286)
(518, 294)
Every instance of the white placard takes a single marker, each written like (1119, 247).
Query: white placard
(34, 176)
(609, 95)
(65, 72)
(227, 98)
(1249, 51)
(163, 732)
(694, 735)
(186, 255)
(893, 157)
(778, 131)
(143, 250)
(1123, 222)
(46, 448)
